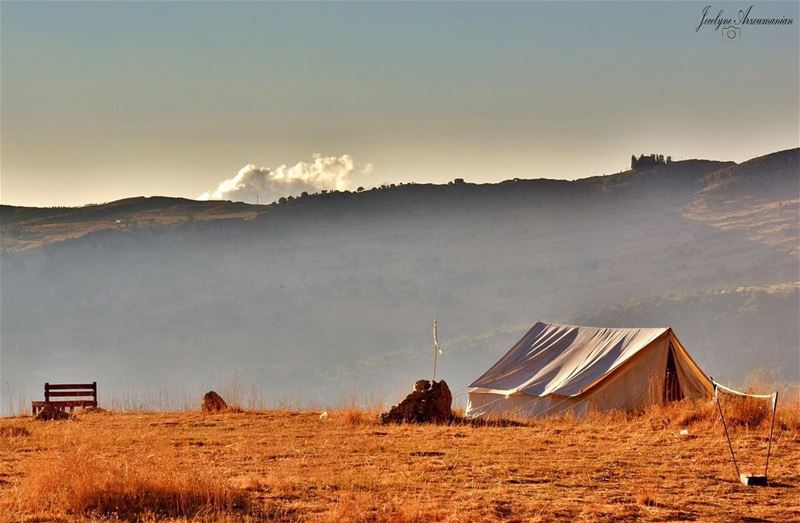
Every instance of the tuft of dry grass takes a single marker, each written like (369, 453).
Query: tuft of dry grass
(746, 411)
(740, 412)
(78, 482)
(93, 410)
(354, 417)
(682, 414)
(14, 431)
(788, 418)
(365, 507)
(645, 498)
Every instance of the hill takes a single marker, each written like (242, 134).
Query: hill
(30, 227)
(759, 197)
(331, 295)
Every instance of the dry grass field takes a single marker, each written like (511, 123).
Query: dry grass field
(299, 466)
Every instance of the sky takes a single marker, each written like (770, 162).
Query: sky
(101, 101)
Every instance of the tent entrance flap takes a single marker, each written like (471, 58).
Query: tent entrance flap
(672, 385)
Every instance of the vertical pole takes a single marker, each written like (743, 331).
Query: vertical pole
(435, 352)
(47, 393)
(771, 429)
(727, 437)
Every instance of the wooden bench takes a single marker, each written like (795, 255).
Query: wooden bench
(80, 392)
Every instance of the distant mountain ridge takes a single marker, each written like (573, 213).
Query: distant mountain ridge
(330, 293)
(29, 227)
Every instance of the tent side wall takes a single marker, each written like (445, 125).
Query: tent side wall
(489, 405)
(637, 384)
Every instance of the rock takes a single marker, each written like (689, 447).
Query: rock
(429, 403)
(51, 413)
(213, 402)
(442, 401)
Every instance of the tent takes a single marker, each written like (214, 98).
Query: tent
(556, 369)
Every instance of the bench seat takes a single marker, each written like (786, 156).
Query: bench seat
(62, 405)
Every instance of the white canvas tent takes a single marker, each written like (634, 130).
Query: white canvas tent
(555, 369)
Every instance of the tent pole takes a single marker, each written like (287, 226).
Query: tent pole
(435, 350)
(435, 357)
(725, 426)
(771, 429)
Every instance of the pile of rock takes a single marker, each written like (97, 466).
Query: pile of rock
(429, 403)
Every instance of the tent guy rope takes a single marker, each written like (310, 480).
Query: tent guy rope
(747, 479)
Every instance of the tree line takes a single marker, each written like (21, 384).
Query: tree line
(649, 161)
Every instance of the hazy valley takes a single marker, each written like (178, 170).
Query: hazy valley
(331, 296)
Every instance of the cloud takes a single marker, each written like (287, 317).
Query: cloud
(268, 185)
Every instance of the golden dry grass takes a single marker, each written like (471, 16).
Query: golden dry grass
(77, 481)
(298, 466)
(13, 431)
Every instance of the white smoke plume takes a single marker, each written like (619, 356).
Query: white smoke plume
(268, 185)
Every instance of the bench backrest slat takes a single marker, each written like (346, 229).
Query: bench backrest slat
(68, 386)
(71, 394)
